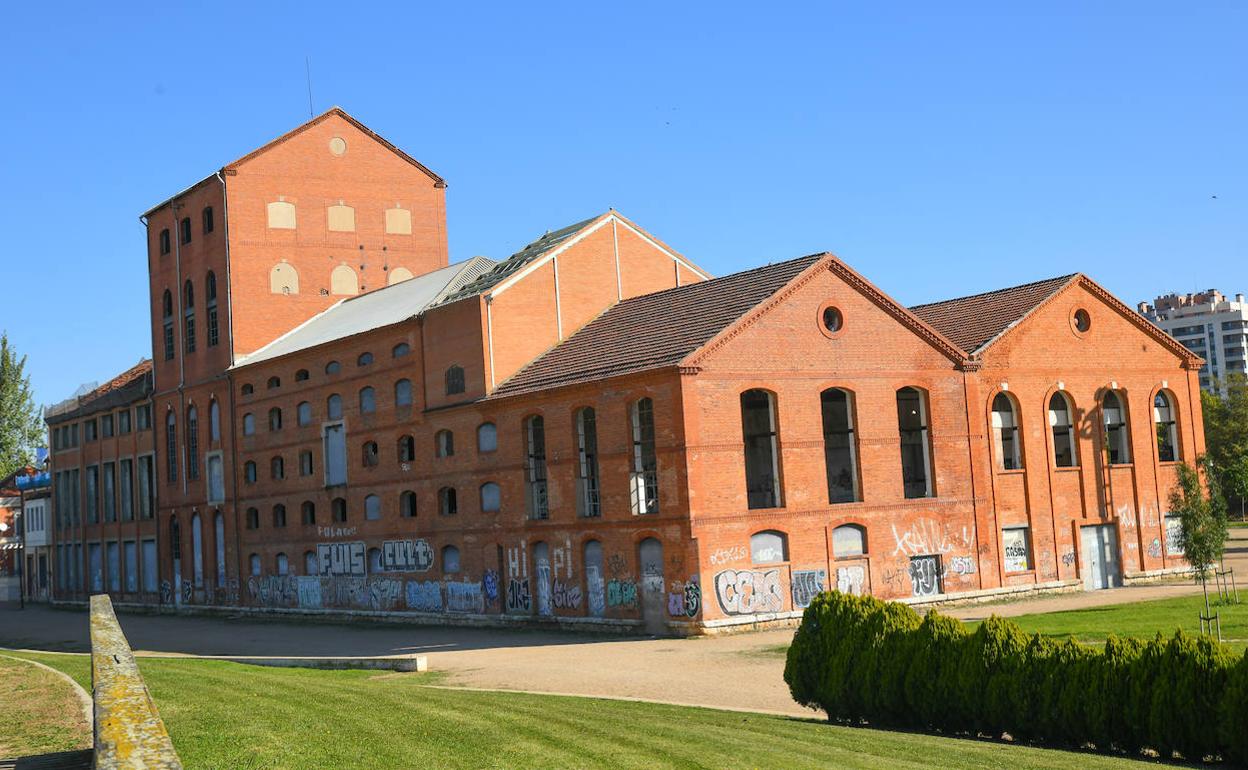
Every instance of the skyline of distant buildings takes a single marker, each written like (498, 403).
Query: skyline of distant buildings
(1208, 324)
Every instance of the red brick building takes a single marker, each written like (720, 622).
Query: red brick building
(594, 431)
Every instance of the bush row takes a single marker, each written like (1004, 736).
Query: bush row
(862, 659)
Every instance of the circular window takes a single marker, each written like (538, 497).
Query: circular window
(338, 145)
(830, 320)
(1082, 321)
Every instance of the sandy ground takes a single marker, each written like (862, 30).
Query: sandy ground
(742, 672)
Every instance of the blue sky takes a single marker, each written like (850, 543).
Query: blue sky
(939, 148)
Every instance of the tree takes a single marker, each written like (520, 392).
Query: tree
(21, 429)
(1226, 435)
(1202, 519)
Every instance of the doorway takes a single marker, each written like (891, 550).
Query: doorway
(650, 557)
(1100, 557)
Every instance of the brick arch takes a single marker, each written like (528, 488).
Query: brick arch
(344, 280)
(1017, 405)
(284, 279)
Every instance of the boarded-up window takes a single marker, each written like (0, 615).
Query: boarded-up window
(399, 274)
(341, 218)
(284, 279)
(281, 215)
(335, 455)
(769, 547)
(398, 221)
(848, 540)
(343, 280)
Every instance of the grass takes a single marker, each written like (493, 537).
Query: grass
(39, 712)
(229, 715)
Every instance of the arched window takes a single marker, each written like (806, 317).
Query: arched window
(1005, 433)
(769, 547)
(192, 443)
(303, 413)
(214, 421)
(249, 471)
(274, 382)
(253, 518)
(374, 561)
(338, 509)
(407, 504)
(595, 580)
(400, 350)
(184, 231)
(301, 375)
(210, 293)
(333, 406)
(343, 280)
(279, 515)
(487, 437)
(364, 359)
(167, 320)
(308, 512)
(849, 540)
(446, 501)
(644, 480)
(403, 393)
(368, 400)
(1061, 423)
(333, 367)
(1163, 422)
(340, 218)
(762, 455)
(206, 215)
(840, 445)
(197, 550)
(491, 497)
(454, 380)
(369, 454)
(275, 419)
(246, 389)
(310, 565)
(535, 468)
(305, 463)
(398, 274)
(372, 507)
(443, 443)
(255, 564)
(916, 452)
(277, 468)
(164, 241)
(407, 449)
(281, 215)
(188, 310)
(399, 222)
(283, 279)
(171, 446)
(450, 559)
(1117, 434)
(283, 565)
(585, 425)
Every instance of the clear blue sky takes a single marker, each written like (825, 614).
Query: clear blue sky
(939, 148)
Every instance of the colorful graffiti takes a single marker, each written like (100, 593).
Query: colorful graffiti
(622, 593)
(424, 595)
(489, 585)
(806, 584)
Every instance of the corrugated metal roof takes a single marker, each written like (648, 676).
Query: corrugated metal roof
(373, 310)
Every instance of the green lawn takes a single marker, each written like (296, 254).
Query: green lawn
(228, 715)
(39, 712)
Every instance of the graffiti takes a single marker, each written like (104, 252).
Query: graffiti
(561, 559)
(384, 593)
(489, 584)
(925, 575)
(728, 555)
(693, 597)
(463, 597)
(1174, 535)
(685, 599)
(309, 589)
(406, 555)
(518, 561)
(851, 580)
(617, 566)
(166, 592)
(621, 593)
(1068, 558)
(566, 596)
(809, 583)
(928, 536)
(746, 592)
(273, 590)
(341, 558)
(188, 592)
(1154, 549)
(543, 588)
(424, 595)
(228, 593)
(518, 598)
(335, 531)
(894, 579)
(344, 592)
(1126, 516)
(962, 565)
(597, 589)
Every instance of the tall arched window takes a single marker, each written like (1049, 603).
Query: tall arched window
(310, 564)
(443, 443)
(279, 515)
(343, 280)
(303, 413)
(277, 468)
(249, 471)
(308, 512)
(491, 497)
(284, 279)
(454, 380)
(407, 504)
(171, 447)
(403, 392)
(769, 547)
(197, 550)
(487, 437)
(333, 406)
(762, 457)
(407, 449)
(644, 479)
(535, 467)
(840, 445)
(372, 507)
(587, 485)
(249, 424)
(1163, 422)
(192, 443)
(1061, 423)
(369, 454)
(1117, 434)
(374, 561)
(184, 231)
(338, 509)
(275, 419)
(450, 560)
(1005, 433)
(167, 322)
(283, 565)
(188, 306)
(214, 421)
(255, 565)
(368, 400)
(916, 451)
(446, 501)
(210, 295)
(253, 518)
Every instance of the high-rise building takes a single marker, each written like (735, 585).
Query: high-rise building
(1208, 324)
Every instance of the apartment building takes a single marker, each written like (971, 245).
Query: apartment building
(1210, 325)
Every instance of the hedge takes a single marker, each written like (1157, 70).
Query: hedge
(864, 660)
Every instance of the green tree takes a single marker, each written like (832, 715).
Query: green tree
(1226, 436)
(1202, 518)
(21, 429)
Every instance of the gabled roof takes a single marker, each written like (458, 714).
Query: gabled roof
(373, 310)
(125, 388)
(331, 112)
(653, 330)
(975, 321)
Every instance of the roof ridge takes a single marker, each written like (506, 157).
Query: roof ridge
(1030, 284)
(716, 279)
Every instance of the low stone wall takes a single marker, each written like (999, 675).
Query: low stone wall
(128, 731)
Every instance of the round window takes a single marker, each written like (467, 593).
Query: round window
(831, 319)
(338, 145)
(1083, 321)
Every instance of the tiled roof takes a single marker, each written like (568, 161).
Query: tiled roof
(972, 322)
(653, 330)
(513, 264)
(126, 387)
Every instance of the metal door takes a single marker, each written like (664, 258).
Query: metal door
(650, 557)
(1100, 557)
